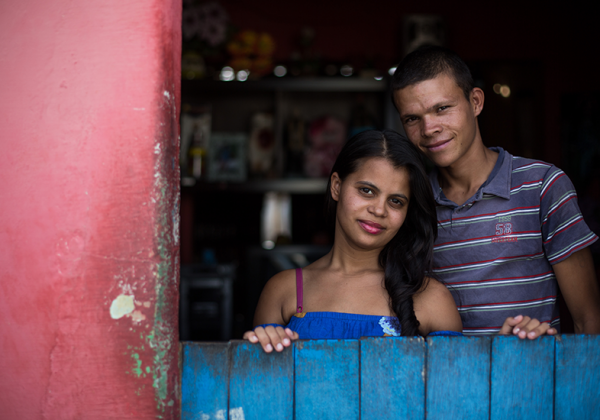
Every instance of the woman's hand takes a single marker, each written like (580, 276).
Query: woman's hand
(271, 337)
(526, 327)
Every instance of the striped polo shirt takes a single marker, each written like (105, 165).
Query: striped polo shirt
(495, 252)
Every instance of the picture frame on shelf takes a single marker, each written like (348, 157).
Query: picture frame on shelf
(195, 137)
(227, 157)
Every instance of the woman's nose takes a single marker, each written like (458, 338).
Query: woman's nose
(377, 208)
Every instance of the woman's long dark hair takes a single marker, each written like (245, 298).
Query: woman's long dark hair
(407, 258)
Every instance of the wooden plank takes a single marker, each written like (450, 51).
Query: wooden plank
(458, 378)
(260, 384)
(577, 377)
(392, 378)
(522, 378)
(326, 379)
(204, 381)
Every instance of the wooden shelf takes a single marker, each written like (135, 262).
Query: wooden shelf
(317, 84)
(291, 185)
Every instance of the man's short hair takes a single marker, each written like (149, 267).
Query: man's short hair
(428, 62)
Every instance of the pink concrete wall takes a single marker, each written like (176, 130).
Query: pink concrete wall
(89, 193)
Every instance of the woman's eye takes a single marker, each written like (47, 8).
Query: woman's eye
(366, 190)
(397, 202)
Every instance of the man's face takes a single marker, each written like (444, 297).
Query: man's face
(438, 118)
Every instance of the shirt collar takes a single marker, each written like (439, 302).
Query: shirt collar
(498, 183)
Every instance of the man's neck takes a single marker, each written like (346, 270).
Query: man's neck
(462, 179)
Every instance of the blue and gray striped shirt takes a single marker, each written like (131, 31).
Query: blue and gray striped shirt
(496, 251)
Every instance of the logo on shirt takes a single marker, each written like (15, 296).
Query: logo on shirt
(504, 232)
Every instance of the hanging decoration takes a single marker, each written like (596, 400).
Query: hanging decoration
(253, 51)
(205, 29)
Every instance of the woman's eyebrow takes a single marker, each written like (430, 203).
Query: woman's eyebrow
(400, 195)
(373, 186)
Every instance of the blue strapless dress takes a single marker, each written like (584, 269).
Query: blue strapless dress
(338, 325)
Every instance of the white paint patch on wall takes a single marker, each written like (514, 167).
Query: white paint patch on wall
(219, 415)
(121, 306)
(236, 414)
(137, 316)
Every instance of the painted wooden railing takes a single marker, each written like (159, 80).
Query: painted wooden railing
(396, 378)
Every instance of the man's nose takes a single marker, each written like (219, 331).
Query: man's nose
(430, 126)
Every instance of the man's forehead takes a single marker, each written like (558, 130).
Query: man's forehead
(428, 92)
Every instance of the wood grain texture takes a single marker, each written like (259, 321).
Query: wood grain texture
(392, 376)
(261, 385)
(327, 379)
(577, 377)
(522, 378)
(205, 380)
(458, 378)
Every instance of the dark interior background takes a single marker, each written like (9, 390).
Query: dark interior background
(547, 55)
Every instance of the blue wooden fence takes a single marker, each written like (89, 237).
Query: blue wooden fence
(397, 378)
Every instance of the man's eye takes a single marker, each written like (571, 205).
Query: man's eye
(443, 108)
(409, 120)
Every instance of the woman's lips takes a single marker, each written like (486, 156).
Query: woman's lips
(438, 145)
(371, 227)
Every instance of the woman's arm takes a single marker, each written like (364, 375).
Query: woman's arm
(435, 309)
(273, 308)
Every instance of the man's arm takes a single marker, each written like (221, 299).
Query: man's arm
(578, 285)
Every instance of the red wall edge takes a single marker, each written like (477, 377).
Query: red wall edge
(89, 209)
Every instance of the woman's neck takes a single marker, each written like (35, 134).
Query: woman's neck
(350, 259)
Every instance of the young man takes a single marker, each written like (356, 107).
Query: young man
(510, 230)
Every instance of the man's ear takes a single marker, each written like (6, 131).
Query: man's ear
(477, 100)
(336, 185)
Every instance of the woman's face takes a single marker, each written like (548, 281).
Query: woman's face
(372, 203)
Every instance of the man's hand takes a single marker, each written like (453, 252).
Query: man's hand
(525, 327)
(271, 337)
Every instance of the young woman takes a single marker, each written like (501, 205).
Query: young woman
(374, 281)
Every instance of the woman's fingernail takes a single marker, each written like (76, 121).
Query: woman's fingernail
(279, 347)
(531, 334)
(286, 341)
(269, 347)
(516, 330)
(522, 334)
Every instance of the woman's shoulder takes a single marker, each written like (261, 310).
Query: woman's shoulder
(433, 290)
(281, 283)
(278, 299)
(435, 308)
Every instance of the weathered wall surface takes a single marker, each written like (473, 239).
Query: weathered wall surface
(89, 193)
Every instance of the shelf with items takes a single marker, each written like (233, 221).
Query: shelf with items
(234, 104)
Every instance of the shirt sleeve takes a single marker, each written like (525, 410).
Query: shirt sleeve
(563, 229)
